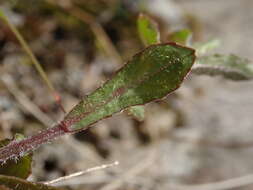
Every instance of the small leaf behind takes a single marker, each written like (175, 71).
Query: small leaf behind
(151, 74)
(203, 48)
(148, 30)
(15, 183)
(20, 168)
(228, 66)
(182, 37)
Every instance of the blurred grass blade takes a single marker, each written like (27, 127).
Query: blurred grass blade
(228, 66)
(21, 168)
(203, 48)
(148, 30)
(151, 74)
(182, 37)
(14, 183)
(34, 60)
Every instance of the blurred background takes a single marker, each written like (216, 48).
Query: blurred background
(200, 134)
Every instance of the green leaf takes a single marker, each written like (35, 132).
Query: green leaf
(182, 37)
(138, 112)
(15, 183)
(20, 168)
(228, 66)
(203, 48)
(148, 30)
(150, 75)
(149, 34)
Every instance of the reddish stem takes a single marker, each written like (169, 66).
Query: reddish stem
(16, 149)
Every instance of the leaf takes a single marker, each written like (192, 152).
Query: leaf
(229, 66)
(182, 37)
(203, 48)
(149, 34)
(150, 75)
(148, 30)
(138, 112)
(15, 183)
(20, 168)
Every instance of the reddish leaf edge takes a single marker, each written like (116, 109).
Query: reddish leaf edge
(66, 123)
(15, 150)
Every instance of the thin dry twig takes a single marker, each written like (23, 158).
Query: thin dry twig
(34, 60)
(132, 172)
(77, 174)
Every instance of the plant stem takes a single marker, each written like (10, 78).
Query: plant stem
(16, 149)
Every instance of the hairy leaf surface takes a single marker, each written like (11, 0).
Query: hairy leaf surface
(20, 168)
(150, 75)
(149, 34)
(228, 66)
